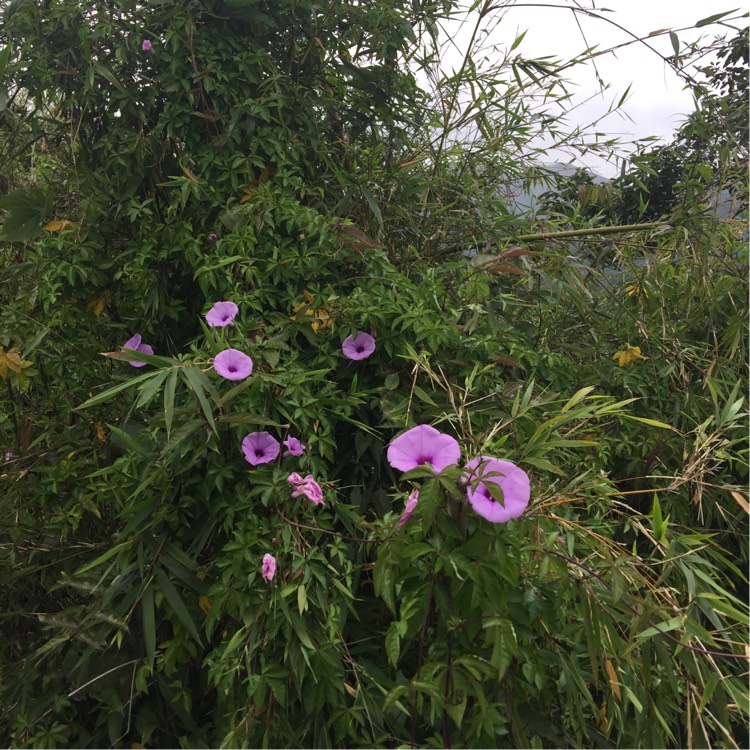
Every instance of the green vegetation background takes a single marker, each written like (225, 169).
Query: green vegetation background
(284, 155)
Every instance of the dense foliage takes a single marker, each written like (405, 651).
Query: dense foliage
(158, 157)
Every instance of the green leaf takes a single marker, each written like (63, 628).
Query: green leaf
(672, 624)
(129, 441)
(148, 616)
(392, 644)
(675, 42)
(169, 391)
(301, 599)
(301, 631)
(372, 203)
(578, 396)
(711, 19)
(104, 557)
(178, 606)
(651, 422)
(26, 211)
(657, 520)
(150, 388)
(197, 382)
(106, 395)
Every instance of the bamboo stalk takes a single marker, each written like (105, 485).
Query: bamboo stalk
(588, 231)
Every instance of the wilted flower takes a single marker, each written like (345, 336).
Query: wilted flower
(212, 237)
(146, 45)
(135, 344)
(293, 447)
(420, 445)
(513, 482)
(268, 568)
(307, 487)
(9, 455)
(411, 503)
(232, 364)
(222, 314)
(359, 346)
(260, 448)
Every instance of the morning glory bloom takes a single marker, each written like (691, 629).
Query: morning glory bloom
(260, 448)
(411, 503)
(268, 567)
(232, 364)
(307, 487)
(513, 482)
(359, 346)
(134, 343)
(146, 45)
(420, 445)
(222, 314)
(293, 447)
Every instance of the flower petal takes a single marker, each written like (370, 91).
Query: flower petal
(359, 346)
(513, 481)
(423, 444)
(232, 364)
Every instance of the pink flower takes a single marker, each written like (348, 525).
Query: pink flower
(359, 346)
(134, 343)
(411, 503)
(513, 482)
(146, 45)
(293, 447)
(260, 448)
(268, 568)
(420, 445)
(232, 364)
(222, 314)
(307, 487)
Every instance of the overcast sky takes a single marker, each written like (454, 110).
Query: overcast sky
(658, 102)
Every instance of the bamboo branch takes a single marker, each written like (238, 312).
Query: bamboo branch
(589, 231)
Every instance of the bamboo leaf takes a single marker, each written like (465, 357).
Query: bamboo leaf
(148, 617)
(178, 606)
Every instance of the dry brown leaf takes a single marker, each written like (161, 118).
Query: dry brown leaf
(613, 680)
(741, 501)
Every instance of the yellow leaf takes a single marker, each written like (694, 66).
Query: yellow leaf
(11, 360)
(57, 225)
(205, 604)
(101, 436)
(96, 306)
(628, 354)
(308, 296)
(601, 717)
(613, 680)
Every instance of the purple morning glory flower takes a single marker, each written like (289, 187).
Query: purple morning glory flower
(134, 343)
(268, 567)
(293, 447)
(359, 346)
(146, 45)
(260, 448)
(212, 237)
(411, 503)
(420, 445)
(307, 487)
(514, 483)
(232, 364)
(222, 314)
